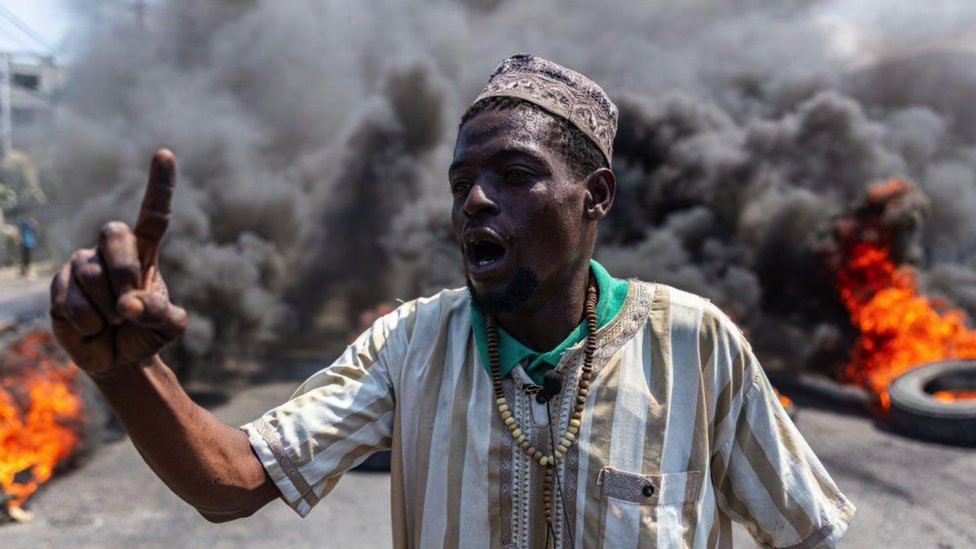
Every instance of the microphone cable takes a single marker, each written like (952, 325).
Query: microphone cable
(559, 485)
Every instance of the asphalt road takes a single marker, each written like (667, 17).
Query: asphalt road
(909, 494)
(22, 299)
(115, 501)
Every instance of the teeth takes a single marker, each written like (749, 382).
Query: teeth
(482, 256)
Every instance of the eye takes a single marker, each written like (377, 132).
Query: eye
(460, 186)
(517, 173)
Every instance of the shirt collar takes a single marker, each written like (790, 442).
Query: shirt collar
(612, 294)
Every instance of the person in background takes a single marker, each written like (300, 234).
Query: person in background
(27, 235)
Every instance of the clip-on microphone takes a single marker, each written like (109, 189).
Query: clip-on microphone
(552, 383)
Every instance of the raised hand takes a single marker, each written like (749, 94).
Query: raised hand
(109, 304)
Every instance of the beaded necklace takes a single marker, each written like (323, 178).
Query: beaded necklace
(545, 459)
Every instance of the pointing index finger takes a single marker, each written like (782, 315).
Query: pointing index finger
(155, 211)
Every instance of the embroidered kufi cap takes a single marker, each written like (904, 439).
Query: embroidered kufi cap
(559, 90)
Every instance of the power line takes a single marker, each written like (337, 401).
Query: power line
(26, 29)
(18, 38)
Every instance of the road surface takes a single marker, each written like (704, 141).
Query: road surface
(22, 299)
(909, 493)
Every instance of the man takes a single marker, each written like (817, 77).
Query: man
(27, 232)
(648, 422)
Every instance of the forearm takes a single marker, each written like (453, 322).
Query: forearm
(206, 462)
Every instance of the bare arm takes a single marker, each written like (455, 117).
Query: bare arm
(110, 310)
(203, 460)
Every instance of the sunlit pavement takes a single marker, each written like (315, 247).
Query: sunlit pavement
(908, 493)
(22, 298)
(115, 501)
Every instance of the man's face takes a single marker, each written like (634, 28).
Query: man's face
(518, 211)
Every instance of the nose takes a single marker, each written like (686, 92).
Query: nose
(478, 201)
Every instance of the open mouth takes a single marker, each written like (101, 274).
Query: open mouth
(483, 253)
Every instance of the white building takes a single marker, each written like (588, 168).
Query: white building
(34, 87)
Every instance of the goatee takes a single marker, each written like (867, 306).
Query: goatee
(524, 283)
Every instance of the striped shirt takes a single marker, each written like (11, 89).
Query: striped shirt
(681, 435)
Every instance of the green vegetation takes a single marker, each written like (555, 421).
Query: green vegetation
(21, 190)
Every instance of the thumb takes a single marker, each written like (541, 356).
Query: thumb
(148, 310)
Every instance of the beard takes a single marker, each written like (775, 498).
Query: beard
(520, 288)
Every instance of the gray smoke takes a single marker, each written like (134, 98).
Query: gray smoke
(313, 138)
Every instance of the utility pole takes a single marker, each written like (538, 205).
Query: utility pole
(6, 124)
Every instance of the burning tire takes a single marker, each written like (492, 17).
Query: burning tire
(936, 402)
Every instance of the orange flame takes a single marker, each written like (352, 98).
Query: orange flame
(954, 395)
(783, 399)
(40, 412)
(899, 329)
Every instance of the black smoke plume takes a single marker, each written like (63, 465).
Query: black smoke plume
(314, 136)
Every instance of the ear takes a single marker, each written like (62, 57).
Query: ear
(601, 185)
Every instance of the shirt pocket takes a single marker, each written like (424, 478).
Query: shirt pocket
(634, 506)
(650, 489)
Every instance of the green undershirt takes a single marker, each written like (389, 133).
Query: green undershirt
(613, 292)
